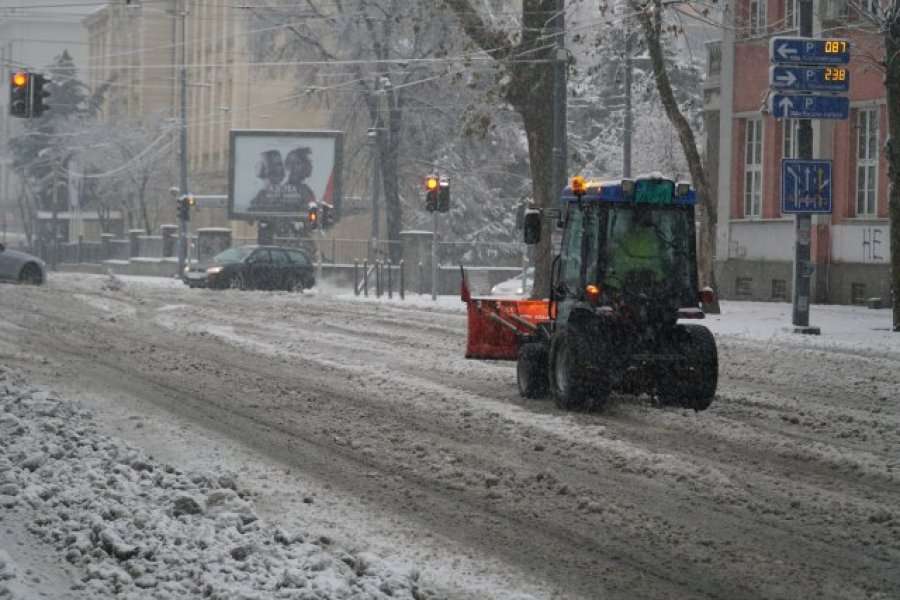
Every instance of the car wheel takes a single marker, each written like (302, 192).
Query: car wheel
(31, 275)
(237, 282)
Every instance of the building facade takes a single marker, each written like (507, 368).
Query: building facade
(755, 241)
(137, 51)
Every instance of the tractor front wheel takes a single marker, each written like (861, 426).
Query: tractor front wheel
(531, 370)
(577, 374)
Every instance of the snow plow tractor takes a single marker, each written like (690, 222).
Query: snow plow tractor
(624, 280)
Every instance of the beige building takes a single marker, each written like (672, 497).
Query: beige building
(137, 51)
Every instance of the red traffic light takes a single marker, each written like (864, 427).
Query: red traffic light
(20, 79)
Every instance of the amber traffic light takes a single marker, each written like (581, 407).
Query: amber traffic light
(19, 95)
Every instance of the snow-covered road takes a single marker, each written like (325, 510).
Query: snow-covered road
(361, 421)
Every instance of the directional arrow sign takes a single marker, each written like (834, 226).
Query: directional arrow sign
(809, 79)
(809, 107)
(809, 51)
(805, 186)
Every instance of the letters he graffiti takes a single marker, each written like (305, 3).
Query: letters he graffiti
(871, 244)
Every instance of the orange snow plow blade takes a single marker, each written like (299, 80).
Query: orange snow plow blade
(495, 326)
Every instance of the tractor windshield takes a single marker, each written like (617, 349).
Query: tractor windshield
(647, 249)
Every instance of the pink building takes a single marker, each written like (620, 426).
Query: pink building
(745, 146)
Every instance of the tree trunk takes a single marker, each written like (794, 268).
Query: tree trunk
(651, 24)
(530, 92)
(28, 216)
(892, 83)
(390, 152)
(142, 203)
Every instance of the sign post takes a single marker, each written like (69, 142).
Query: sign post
(807, 81)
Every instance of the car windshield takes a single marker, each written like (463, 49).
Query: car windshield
(233, 254)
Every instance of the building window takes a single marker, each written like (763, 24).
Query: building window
(753, 168)
(791, 148)
(757, 17)
(867, 162)
(791, 14)
(743, 287)
(779, 289)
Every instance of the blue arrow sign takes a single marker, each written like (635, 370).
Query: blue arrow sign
(809, 107)
(809, 79)
(809, 51)
(805, 186)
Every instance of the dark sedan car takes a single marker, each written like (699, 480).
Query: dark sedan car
(254, 268)
(21, 267)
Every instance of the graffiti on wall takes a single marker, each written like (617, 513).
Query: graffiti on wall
(872, 240)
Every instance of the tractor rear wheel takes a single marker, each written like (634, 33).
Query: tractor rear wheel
(531, 370)
(693, 383)
(577, 373)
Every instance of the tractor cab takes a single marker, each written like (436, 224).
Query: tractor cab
(627, 245)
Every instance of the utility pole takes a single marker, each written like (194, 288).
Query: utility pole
(802, 242)
(559, 101)
(626, 147)
(183, 145)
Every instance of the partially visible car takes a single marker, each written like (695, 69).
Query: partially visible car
(21, 267)
(254, 268)
(513, 287)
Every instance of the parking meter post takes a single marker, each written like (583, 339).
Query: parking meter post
(420, 278)
(378, 278)
(365, 276)
(390, 278)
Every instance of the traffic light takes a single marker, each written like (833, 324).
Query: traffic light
(19, 94)
(443, 195)
(328, 216)
(38, 94)
(431, 193)
(312, 215)
(183, 204)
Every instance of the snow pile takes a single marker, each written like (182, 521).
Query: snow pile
(131, 527)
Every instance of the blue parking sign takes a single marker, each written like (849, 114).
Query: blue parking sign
(805, 186)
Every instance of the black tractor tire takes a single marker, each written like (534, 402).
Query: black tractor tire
(31, 275)
(693, 384)
(531, 371)
(577, 373)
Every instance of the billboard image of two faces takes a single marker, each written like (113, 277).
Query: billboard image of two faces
(279, 173)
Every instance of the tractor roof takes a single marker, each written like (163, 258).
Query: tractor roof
(644, 189)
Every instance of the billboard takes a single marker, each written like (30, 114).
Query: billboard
(279, 172)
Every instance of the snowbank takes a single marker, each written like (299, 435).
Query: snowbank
(132, 527)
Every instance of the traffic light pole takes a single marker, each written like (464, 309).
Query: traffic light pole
(803, 232)
(434, 256)
(183, 145)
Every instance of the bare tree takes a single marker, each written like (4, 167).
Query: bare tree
(526, 56)
(650, 17)
(130, 168)
(382, 47)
